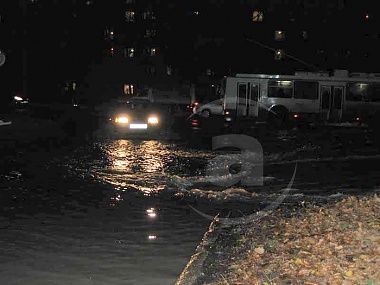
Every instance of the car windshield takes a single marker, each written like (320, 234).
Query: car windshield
(134, 106)
(216, 102)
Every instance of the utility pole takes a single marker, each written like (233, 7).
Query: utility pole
(24, 6)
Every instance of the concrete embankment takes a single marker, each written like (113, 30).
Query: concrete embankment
(194, 270)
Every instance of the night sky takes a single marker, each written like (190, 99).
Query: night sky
(49, 42)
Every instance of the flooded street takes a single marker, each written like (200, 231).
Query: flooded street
(117, 211)
(94, 217)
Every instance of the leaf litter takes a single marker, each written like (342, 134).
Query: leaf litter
(331, 244)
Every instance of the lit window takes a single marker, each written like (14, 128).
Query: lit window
(109, 34)
(128, 89)
(150, 33)
(130, 16)
(74, 86)
(257, 16)
(130, 52)
(357, 91)
(151, 70)
(192, 13)
(280, 89)
(278, 54)
(169, 70)
(346, 52)
(150, 51)
(148, 15)
(304, 35)
(279, 35)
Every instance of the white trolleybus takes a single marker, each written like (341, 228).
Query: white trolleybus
(313, 97)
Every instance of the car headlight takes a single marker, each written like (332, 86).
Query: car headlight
(121, 120)
(153, 120)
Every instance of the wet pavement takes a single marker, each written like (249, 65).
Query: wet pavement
(116, 211)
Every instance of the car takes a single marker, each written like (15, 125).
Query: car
(137, 117)
(213, 108)
(5, 122)
(20, 102)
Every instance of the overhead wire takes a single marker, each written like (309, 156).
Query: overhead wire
(283, 53)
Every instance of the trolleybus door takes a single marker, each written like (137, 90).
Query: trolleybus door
(331, 103)
(336, 104)
(325, 102)
(253, 106)
(242, 99)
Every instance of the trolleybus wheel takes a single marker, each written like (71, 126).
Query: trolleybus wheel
(278, 117)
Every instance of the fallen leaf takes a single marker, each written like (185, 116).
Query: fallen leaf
(349, 273)
(259, 250)
(303, 272)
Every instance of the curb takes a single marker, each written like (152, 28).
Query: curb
(194, 270)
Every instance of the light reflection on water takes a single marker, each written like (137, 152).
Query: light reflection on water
(125, 156)
(143, 166)
(80, 228)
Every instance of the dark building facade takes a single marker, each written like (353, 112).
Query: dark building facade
(97, 49)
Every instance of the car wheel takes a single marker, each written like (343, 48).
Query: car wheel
(206, 113)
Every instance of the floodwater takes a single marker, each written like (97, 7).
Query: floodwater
(117, 211)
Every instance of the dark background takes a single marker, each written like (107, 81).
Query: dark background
(51, 44)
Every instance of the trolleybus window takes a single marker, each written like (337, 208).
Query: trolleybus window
(280, 89)
(374, 92)
(306, 90)
(326, 94)
(357, 91)
(242, 91)
(254, 92)
(338, 92)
